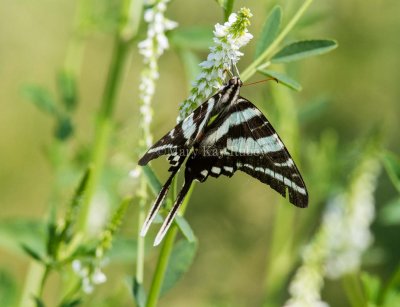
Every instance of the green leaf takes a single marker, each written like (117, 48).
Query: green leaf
(67, 88)
(139, 293)
(283, 79)
(303, 49)
(392, 166)
(40, 97)
(269, 31)
(152, 179)
(64, 128)
(31, 252)
(123, 250)
(392, 298)
(185, 228)
(193, 38)
(372, 286)
(14, 232)
(71, 215)
(71, 303)
(390, 214)
(227, 5)
(38, 302)
(181, 259)
(228, 8)
(8, 290)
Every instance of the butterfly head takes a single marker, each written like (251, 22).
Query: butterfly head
(235, 81)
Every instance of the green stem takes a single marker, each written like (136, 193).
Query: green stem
(164, 256)
(32, 284)
(252, 68)
(104, 124)
(140, 239)
(353, 289)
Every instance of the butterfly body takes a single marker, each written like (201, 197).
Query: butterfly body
(225, 134)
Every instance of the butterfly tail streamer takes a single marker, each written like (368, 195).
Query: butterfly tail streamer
(157, 203)
(171, 215)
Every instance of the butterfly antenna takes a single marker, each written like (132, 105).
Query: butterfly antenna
(265, 80)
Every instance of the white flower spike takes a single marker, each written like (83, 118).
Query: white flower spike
(228, 39)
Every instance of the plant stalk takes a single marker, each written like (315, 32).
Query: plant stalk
(252, 68)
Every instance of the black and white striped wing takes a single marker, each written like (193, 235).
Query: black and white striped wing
(179, 140)
(244, 140)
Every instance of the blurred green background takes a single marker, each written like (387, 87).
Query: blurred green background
(358, 84)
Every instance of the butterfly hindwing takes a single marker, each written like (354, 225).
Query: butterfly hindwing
(242, 138)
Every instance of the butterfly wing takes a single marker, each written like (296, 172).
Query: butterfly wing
(180, 139)
(242, 139)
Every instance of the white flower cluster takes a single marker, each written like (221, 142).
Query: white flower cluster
(152, 48)
(306, 286)
(347, 221)
(343, 237)
(229, 38)
(90, 276)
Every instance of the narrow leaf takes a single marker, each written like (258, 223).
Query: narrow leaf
(228, 8)
(40, 97)
(152, 179)
(372, 286)
(139, 293)
(67, 88)
(14, 232)
(181, 259)
(392, 166)
(303, 49)
(71, 303)
(123, 250)
(31, 252)
(72, 213)
(283, 79)
(193, 38)
(38, 302)
(184, 226)
(390, 214)
(269, 31)
(64, 128)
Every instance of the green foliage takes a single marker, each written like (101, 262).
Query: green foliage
(390, 213)
(269, 31)
(8, 289)
(372, 286)
(185, 229)
(19, 231)
(139, 293)
(227, 6)
(63, 240)
(283, 79)
(181, 259)
(154, 183)
(392, 166)
(303, 49)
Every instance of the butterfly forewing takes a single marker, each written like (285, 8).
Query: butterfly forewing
(179, 140)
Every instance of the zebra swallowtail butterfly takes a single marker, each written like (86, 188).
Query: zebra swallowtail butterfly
(225, 134)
